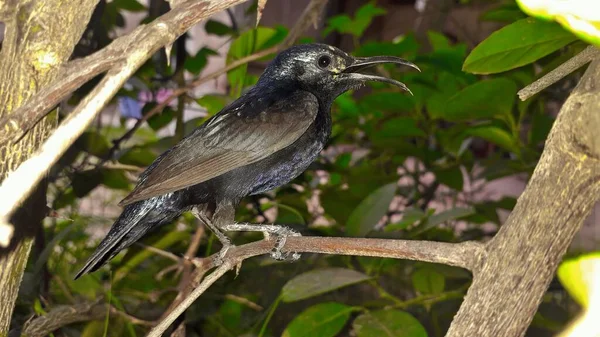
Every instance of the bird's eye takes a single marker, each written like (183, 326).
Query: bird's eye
(324, 61)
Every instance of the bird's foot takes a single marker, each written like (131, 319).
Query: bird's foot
(220, 257)
(280, 238)
(281, 234)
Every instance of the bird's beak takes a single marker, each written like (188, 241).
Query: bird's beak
(361, 63)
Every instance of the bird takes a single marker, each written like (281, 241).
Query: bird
(262, 140)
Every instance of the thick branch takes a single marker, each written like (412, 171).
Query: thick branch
(465, 255)
(522, 258)
(574, 63)
(162, 31)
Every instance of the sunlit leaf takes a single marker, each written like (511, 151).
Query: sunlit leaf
(320, 281)
(323, 320)
(516, 45)
(495, 135)
(581, 277)
(578, 16)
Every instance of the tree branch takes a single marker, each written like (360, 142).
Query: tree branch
(522, 258)
(574, 63)
(148, 39)
(465, 255)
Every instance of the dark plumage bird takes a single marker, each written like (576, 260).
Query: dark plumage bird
(263, 140)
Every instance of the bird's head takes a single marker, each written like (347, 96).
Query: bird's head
(327, 71)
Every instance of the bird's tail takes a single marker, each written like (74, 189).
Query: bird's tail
(136, 220)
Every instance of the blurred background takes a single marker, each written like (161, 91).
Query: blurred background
(446, 164)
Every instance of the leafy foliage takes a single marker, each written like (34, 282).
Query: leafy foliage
(396, 166)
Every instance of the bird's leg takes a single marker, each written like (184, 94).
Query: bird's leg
(220, 215)
(281, 232)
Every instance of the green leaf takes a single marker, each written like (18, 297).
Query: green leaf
(484, 99)
(212, 103)
(246, 44)
(320, 281)
(218, 28)
(451, 214)
(370, 210)
(84, 182)
(400, 127)
(428, 281)
(196, 63)
(438, 41)
(516, 45)
(138, 156)
(115, 179)
(581, 277)
(495, 135)
(388, 323)
(409, 217)
(577, 17)
(129, 5)
(160, 120)
(407, 46)
(441, 217)
(387, 101)
(451, 177)
(505, 13)
(323, 320)
(362, 19)
(93, 143)
(288, 215)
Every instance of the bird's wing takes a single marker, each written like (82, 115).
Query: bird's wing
(231, 139)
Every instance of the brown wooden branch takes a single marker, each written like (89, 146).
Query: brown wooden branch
(522, 258)
(574, 63)
(148, 39)
(465, 255)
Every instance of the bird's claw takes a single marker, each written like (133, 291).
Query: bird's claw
(281, 237)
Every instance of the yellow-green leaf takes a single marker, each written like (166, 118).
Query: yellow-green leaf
(579, 16)
(516, 45)
(581, 277)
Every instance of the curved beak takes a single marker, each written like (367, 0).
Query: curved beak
(361, 63)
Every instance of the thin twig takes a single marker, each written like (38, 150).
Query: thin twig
(160, 252)
(574, 63)
(466, 255)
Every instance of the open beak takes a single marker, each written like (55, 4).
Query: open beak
(361, 63)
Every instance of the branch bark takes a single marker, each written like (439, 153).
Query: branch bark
(35, 46)
(522, 258)
(145, 41)
(574, 63)
(465, 255)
